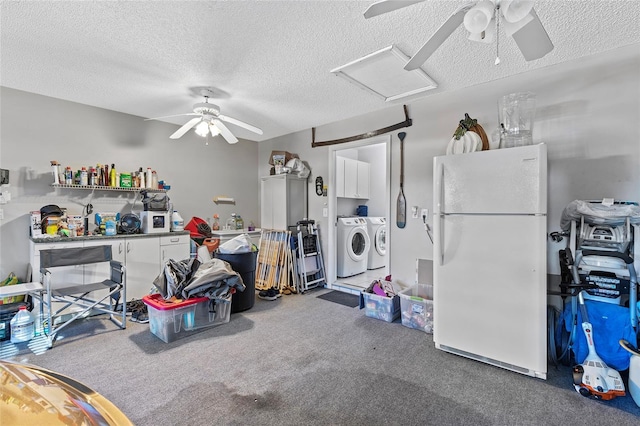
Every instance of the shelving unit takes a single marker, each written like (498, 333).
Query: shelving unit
(105, 188)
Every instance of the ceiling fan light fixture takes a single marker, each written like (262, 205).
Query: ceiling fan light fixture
(513, 27)
(485, 36)
(202, 129)
(214, 130)
(516, 10)
(478, 18)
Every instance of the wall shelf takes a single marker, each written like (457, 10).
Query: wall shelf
(104, 188)
(224, 200)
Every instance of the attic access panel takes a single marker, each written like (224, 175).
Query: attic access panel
(382, 73)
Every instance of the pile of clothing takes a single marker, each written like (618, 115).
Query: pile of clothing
(189, 278)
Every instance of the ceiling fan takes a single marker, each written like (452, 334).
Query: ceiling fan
(482, 19)
(209, 120)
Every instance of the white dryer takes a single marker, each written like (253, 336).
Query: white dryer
(377, 229)
(353, 246)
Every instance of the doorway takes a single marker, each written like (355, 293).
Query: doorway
(377, 152)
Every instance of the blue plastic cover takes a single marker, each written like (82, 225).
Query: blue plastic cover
(610, 323)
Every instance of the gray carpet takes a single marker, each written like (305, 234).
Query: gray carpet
(302, 361)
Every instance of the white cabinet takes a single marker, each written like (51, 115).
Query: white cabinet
(283, 201)
(142, 265)
(63, 275)
(340, 176)
(352, 178)
(174, 247)
(143, 257)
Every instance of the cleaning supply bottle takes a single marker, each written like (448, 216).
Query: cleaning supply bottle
(84, 177)
(177, 223)
(239, 222)
(22, 326)
(231, 222)
(148, 178)
(112, 176)
(216, 222)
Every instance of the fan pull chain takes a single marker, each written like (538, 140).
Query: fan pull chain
(497, 34)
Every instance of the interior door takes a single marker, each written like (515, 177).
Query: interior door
(490, 287)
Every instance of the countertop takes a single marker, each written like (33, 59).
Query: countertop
(61, 239)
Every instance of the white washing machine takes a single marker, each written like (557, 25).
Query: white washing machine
(353, 246)
(377, 229)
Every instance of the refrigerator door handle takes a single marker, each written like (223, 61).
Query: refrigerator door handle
(439, 211)
(441, 239)
(440, 186)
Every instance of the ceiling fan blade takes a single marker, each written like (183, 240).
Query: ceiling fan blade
(385, 6)
(532, 39)
(225, 132)
(237, 122)
(184, 129)
(169, 116)
(438, 38)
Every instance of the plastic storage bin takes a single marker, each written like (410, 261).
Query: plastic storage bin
(170, 320)
(416, 303)
(380, 307)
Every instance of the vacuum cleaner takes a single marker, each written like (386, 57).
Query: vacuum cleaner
(594, 377)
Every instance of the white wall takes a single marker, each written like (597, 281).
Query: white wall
(588, 114)
(36, 129)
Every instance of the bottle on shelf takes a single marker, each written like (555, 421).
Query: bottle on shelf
(239, 222)
(148, 178)
(84, 177)
(177, 223)
(231, 222)
(22, 326)
(216, 222)
(154, 180)
(55, 169)
(68, 176)
(113, 176)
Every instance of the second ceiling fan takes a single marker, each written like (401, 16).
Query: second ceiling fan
(208, 120)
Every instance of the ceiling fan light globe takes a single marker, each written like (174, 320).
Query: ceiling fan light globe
(478, 18)
(214, 130)
(515, 10)
(202, 129)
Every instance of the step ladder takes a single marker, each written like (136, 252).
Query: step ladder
(309, 263)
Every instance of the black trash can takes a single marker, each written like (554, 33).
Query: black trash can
(245, 265)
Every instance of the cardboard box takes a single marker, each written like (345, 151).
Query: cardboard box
(281, 157)
(170, 321)
(416, 304)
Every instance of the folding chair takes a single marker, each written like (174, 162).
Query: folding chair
(107, 296)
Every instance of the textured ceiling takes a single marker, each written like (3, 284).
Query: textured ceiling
(267, 61)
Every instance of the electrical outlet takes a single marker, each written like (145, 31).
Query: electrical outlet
(425, 215)
(325, 212)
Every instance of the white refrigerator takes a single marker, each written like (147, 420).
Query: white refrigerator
(490, 257)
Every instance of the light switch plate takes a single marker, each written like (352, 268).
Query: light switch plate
(414, 212)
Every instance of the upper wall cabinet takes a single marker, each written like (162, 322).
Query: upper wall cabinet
(352, 178)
